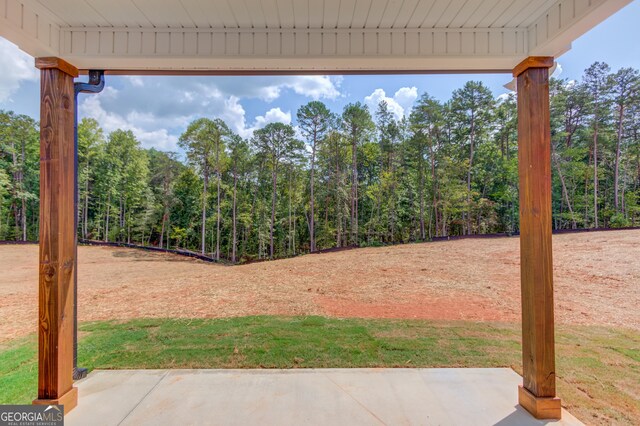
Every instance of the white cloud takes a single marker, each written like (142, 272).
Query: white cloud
(557, 71)
(154, 129)
(15, 67)
(238, 121)
(274, 115)
(315, 86)
(400, 104)
(145, 105)
(504, 96)
(149, 137)
(135, 80)
(270, 88)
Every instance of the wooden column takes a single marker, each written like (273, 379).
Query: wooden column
(57, 234)
(538, 392)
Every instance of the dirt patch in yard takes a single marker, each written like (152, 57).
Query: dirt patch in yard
(597, 281)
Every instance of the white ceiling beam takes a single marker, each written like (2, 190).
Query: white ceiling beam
(33, 32)
(566, 20)
(136, 48)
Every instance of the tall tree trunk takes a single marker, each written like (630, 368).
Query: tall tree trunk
(471, 152)
(24, 218)
(164, 220)
(312, 229)
(595, 173)
(218, 221)
(24, 199)
(338, 206)
(234, 239)
(289, 234)
(86, 205)
(421, 197)
(616, 170)
(106, 227)
(565, 193)
(434, 179)
(354, 191)
(204, 211)
(273, 209)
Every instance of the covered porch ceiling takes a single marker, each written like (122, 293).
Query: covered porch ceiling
(298, 36)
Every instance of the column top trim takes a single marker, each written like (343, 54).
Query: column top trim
(533, 62)
(51, 62)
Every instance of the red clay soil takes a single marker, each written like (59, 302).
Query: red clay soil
(597, 281)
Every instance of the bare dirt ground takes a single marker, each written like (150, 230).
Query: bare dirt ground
(597, 281)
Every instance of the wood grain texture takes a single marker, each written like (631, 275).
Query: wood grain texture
(540, 408)
(69, 400)
(56, 63)
(534, 156)
(57, 236)
(533, 62)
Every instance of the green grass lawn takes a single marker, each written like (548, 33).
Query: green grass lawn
(598, 368)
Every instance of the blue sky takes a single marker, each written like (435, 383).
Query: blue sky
(157, 109)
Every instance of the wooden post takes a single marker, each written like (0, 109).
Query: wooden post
(57, 234)
(538, 392)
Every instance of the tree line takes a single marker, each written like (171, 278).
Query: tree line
(355, 177)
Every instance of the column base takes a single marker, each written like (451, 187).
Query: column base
(539, 407)
(69, 400)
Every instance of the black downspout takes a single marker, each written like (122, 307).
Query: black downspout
(95, 85)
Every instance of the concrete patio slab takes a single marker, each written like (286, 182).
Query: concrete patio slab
(438, 396)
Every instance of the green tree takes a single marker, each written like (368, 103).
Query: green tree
(203, 142)
(472, 107)
(240, 157)
(596, 82)
(358, 127)
(90, 143)
(625, 85)
(426, 123)
(276, 143)
(313, 119)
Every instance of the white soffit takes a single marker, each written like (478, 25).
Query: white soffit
(324, 36)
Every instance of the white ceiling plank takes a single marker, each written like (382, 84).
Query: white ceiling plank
(470, 8)
(486, 7)
(99, 17)
(376, 12)
(75, 13)
(510, 12)
(225, 14)
(434, 15)
(42, 11)
(241, 14)
(331, 11)
(528, 14)
(452, 10)
(300, 13)
(203, 13)
(404, 13)
(120, 13)
(285, 13)
(256, 11)
(420, 13)
(270, 11)
(345, 13)
(168, 14)
(495, 13)
(361, 12)
(316, 13)
(391, 11)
